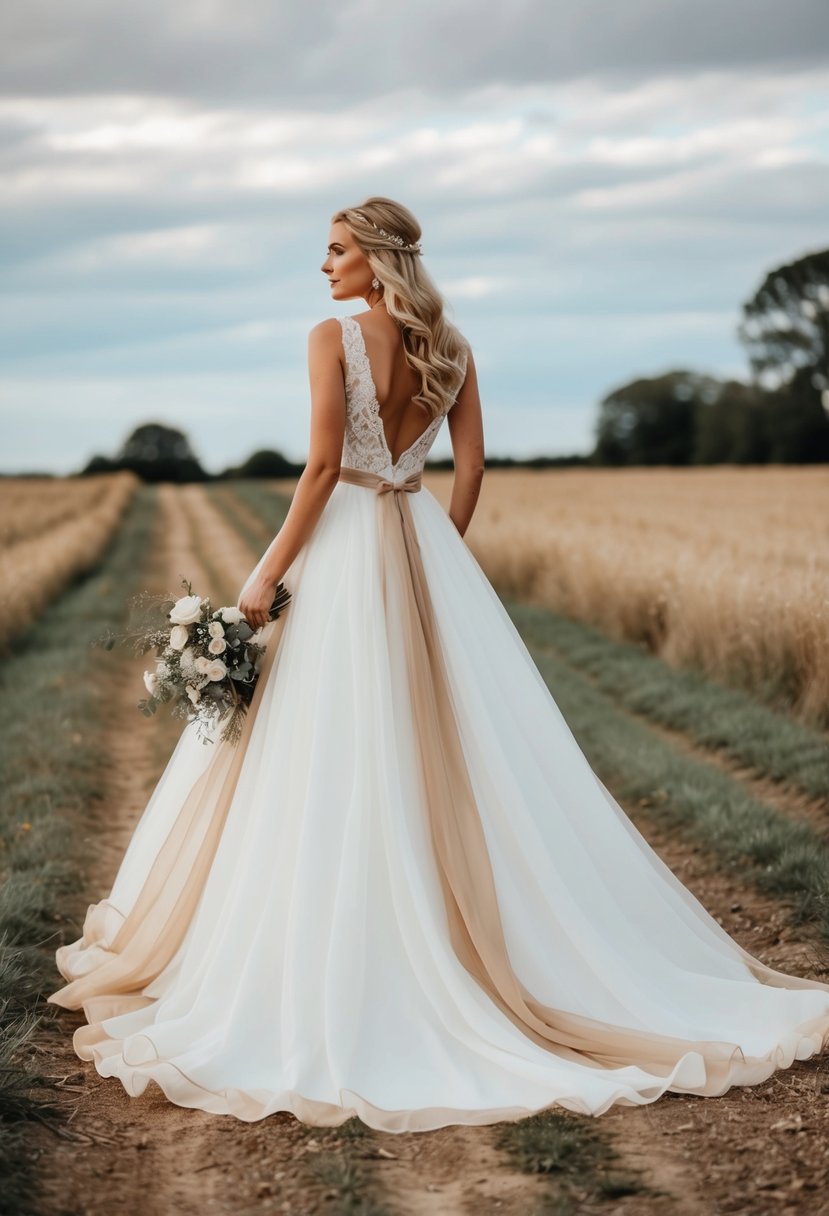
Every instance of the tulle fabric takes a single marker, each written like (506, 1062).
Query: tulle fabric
(338, 953)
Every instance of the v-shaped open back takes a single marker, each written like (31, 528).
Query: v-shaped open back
(375, 402)
(365, 445)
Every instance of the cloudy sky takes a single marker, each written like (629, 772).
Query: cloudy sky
(600, 187)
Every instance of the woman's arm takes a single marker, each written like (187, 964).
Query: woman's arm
(321, 472)
(466, 429)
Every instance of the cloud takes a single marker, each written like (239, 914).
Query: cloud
(333, 52)
(597, 197)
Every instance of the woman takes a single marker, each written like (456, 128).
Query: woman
(404, 894)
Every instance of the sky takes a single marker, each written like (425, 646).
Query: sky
(600, 189)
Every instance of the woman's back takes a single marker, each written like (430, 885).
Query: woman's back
(395, 381)
(402, 450)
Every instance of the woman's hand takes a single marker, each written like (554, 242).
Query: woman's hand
(255, 603)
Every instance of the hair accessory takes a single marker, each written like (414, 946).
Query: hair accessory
(390, 236)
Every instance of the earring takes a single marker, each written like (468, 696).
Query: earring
(375, 282)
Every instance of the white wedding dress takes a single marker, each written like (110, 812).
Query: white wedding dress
(404, 894)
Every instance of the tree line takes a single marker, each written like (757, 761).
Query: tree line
(780, 414)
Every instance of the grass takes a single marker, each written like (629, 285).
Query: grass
(336, 1167)
(226, 499)
(342, 1174)
(53, 703)
(574, 1154)
(782, 856)
(722, 719)
(263, 500)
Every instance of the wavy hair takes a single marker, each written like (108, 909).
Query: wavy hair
(435, 349)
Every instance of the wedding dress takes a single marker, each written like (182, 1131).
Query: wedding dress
(404, 894)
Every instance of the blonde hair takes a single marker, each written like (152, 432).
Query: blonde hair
(434, 348)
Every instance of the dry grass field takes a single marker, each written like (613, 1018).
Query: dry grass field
(52, 529)
(725, 570)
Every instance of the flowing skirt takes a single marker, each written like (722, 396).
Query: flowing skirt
(324, 923)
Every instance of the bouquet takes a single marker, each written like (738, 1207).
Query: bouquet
(206, 665)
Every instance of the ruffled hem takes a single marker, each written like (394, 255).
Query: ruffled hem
(690, 1075)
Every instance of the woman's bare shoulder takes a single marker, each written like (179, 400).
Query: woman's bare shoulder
(329, 328)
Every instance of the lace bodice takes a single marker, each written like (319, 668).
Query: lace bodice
(364, 445)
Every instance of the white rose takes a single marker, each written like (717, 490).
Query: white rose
(186, 610)
(216, 670)
(178, 637)
(150, 682)
(231, 616)
(193, 693)
(216, 629)
(202, 664)
(217, 645)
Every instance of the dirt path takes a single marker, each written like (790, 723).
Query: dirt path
(759, 1150)
(229, 556)
(119, 1149)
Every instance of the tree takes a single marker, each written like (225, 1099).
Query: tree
(652, 421)
(785, 329)
(785, 324)
(98, 464)
(734, 427)
(160, 453)
(265, 463)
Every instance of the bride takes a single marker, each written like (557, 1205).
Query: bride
(404, 894)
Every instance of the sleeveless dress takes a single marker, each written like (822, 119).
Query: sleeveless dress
(404, 894)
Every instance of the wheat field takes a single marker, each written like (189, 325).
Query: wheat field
(52, 530)
(723, 569)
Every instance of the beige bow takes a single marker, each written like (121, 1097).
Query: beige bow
(362, 477)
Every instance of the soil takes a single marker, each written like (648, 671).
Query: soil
(755, 1150)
